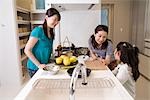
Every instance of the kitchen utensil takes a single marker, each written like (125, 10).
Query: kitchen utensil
(95, 65)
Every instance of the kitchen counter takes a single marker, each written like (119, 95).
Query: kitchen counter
(118, 92)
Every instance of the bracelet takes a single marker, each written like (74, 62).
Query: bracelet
(39, 66)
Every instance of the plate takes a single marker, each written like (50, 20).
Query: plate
(70, 71)
(52, 68)
(82, 58)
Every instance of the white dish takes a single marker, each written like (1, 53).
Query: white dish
(52, 68)
(82, 58)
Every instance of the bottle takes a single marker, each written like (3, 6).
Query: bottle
(56, 54)
(58, 51)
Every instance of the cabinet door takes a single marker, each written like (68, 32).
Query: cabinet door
(49, 2)
(38, 4)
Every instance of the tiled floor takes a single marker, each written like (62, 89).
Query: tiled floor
(142, 89)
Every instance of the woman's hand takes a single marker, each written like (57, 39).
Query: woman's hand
(93, 56)
(91, 59)
(101, 60)
(41, 66)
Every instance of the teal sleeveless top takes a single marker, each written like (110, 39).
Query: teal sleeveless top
(42, 49)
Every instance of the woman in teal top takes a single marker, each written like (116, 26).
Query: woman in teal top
(39, 46)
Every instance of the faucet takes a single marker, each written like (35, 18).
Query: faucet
(79, 67)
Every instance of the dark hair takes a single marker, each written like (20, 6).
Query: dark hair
(129, 55)
(94, 43)
(50, 12)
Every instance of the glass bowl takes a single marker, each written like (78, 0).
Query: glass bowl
(52, 69)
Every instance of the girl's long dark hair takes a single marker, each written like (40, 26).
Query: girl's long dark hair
(94, 43)
(50, 12)
(129, 55)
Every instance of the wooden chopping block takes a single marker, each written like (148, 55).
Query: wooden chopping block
(95, 65)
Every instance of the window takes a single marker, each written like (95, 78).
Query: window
(107, 18)
(104, 16)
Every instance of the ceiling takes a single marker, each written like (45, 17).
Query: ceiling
(66, 7)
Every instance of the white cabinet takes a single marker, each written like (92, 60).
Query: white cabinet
(37, 12)
(45, 4)
(37, 17)
(147, 47)
(24, 29)
(48, 3)
(72, 1)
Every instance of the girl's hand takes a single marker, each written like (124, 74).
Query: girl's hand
(41, 66)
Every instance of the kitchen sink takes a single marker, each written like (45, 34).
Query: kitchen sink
(58, 89)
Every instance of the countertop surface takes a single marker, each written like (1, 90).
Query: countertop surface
(118, 92)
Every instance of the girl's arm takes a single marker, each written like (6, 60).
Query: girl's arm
(28, 51)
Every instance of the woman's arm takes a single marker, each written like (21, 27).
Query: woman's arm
(109, 53)
(28, 51)
(107, 59)
(93, 56)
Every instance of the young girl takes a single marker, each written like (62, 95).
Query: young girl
(100, 47)
(127, 71)
(39, 46)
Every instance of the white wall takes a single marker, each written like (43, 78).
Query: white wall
(77, 26)
(121, 25)
(9, 63)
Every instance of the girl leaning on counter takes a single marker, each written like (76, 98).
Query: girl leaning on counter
(127, 71)
(100, 46)
(39, 46)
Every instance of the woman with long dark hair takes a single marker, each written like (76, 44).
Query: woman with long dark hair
(127, 71)
(100, 46)
(39, 46)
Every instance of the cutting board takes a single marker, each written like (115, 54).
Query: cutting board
(95, 65)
